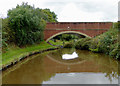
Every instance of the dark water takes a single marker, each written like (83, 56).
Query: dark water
(50, 68)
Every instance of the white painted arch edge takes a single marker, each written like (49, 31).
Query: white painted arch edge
(67, 32)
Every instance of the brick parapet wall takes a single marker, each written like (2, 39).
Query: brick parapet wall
(82, 25)
(91, 29)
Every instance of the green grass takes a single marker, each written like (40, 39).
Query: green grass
(15, 53)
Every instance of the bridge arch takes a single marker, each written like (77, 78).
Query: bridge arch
(76, 32)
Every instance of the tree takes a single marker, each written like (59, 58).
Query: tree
(7, 34)
(27, 24)
(49, 16)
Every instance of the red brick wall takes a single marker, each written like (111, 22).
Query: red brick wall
(89, 28)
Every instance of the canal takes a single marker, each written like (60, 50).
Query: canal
(64, 66)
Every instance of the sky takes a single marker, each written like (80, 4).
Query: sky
(71, 10)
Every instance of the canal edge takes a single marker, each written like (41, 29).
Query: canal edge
(10, 64)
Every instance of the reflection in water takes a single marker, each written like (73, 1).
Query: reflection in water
(77, 78)
(70, 56)
(50, 68)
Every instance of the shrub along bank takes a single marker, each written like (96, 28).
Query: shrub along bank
(105, 43)
(25, 24)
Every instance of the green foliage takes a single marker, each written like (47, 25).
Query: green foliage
(94, 50)
(105, 44)
(115, 52)
(4, 31)
(69, 45)
(66, 37)
(94, 46)
(83, 43)
(27, 25)
(4, 42)
(57, 43)
(7, 33)
(49, 16)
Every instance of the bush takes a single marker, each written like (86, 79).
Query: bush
(105, 44)
(82, 43)
(7, 33)
(26, 23)
(115, 52)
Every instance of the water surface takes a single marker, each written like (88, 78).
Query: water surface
(51, 68)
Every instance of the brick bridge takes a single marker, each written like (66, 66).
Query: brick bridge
(87, 29)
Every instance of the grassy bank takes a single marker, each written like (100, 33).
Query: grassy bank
(105, 43)
(14, 53)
